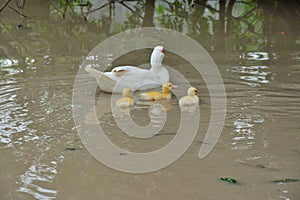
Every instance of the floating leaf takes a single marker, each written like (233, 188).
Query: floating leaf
(71, 148)
(229, 180)
(287, 180)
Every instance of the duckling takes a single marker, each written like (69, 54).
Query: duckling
(155, 96)
(126, 101)
(191, 99)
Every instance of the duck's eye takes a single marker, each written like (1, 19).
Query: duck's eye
(163, 50)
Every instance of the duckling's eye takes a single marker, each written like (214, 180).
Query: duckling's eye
(196, 91)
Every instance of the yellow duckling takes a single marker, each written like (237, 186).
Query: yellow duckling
(126, 101)
(155, 96)
(191, 99)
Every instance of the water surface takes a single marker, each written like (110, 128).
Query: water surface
(42, 156)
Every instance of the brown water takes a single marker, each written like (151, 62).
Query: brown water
(42, 156)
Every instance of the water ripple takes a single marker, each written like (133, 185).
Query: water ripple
(244, 133)
(12, 114)
(8, 67)
(39, 172)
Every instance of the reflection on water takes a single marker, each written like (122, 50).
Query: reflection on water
(253, 75)
(140, 124)
(296, 55)
(157, 116)
(259, 56)
(244, 133)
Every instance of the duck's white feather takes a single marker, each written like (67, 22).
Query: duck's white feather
(133, 77)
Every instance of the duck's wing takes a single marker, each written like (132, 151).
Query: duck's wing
(121, 70)
(134, 77)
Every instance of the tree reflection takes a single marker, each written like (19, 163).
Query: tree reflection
(221, 26)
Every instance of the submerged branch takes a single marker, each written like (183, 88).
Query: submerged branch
(245, 2)
(4, 5)
(100, 7)
(207, 6)
(89, 11)
(25, 50)
(246, 14)
(20, 4)
(58, 10)
(18, 12)
(133, 11)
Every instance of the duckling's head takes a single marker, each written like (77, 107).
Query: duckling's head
(167, 87)
(126, 92)
(192, 91)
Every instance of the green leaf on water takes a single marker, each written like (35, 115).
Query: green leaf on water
(229, 180)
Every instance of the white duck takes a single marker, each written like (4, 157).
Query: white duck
(191, 99)
(133, 77)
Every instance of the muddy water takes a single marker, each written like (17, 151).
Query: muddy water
(42, 156)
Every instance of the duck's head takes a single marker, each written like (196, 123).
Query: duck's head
(167, 87)
(157, 55)
(192, 91)
(126, 92)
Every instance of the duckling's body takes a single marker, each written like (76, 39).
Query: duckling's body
(126, 101)
(156, 96)
(191, 99)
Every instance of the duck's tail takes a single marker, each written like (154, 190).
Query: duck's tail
(105, 83)
(95, 73)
